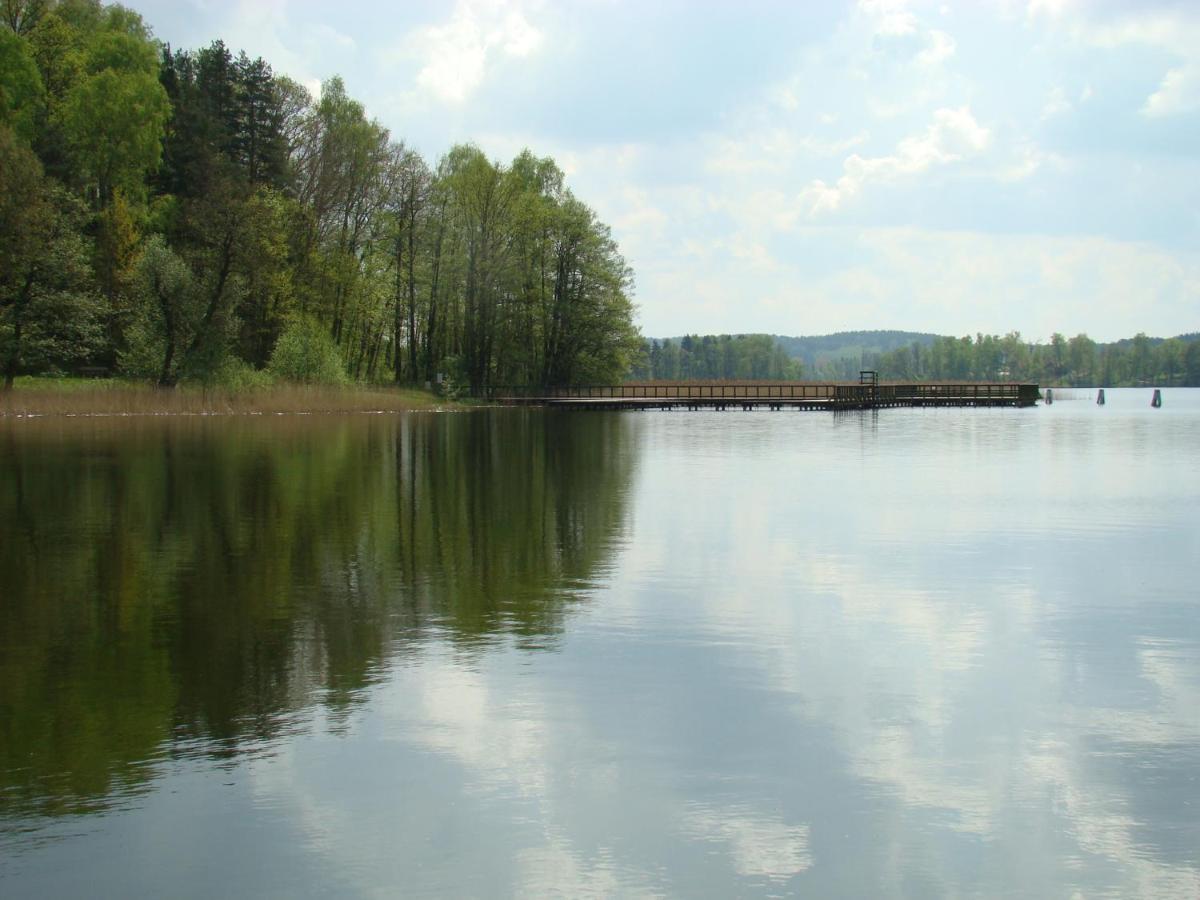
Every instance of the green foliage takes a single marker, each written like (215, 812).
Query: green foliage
(49, 312)
(22, 15)
(227, 203)
(21, 91)
(745, 356)
(268, 293)
(167, 315)
(114, 116)
(306, 353)
(839, 356)
(1077, 362)
(235, 375)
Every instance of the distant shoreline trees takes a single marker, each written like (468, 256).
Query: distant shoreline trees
(716, 357)
(1075, 362)
(197, 205)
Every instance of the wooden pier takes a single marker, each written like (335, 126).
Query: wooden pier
(867, 393)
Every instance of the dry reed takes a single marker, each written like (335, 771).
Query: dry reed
(32, 397)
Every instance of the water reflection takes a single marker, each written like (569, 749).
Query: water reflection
(923, 653)
(191, 586)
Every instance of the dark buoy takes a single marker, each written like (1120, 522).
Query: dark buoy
(1049, 396)
(1157, 401)
(1100, 398)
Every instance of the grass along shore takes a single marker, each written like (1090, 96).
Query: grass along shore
(117, 397)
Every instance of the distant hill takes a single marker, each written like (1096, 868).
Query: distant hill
(817, 350)
(841, 355)
(837, 355)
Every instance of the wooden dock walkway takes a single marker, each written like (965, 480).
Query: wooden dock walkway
(868, 393)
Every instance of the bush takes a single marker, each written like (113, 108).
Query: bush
(236, 375)
(306, 353)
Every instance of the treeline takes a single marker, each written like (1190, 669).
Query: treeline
(742, 356)
(838, 356)
(182, 215)
(1078, 361)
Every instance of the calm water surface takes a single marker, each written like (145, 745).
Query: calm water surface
(915, 653)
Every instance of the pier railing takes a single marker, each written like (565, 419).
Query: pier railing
(870, 393)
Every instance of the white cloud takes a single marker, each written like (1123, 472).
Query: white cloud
(323, 34)
(890, 18)
(456, 54)
(1059, 283)
(1051, 8)
(1176, 33)
(760, 846)
(835, 278)
(939, 48)
(1178, 93)
(772, 150)
(953, 135)
(1027, 160)
(1056, 104)
(894, 26)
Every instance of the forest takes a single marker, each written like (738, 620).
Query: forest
(1077, 362)
(715, 357)
(192, 216)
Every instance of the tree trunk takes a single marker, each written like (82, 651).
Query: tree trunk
(19, 305)
(431, 359)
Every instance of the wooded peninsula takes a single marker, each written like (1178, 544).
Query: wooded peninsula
(184, 216)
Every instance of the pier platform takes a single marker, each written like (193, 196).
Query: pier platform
(774, 395)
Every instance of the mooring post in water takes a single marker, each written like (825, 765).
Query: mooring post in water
(1049, 396)
(1156, 402)
(1100, 398)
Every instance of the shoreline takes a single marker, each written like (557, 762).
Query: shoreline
(76, 398)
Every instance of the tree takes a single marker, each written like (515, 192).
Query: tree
(226, 203)
(1191, 364)
(115, 116)
(21, 91)
(257, 142)
(168, 314)
(48, 308)
(117, 240)
(306, 353)
(1140, 359)
(22, 16)
(185, 325)
(481, 202)
(268, 294)
(1081, 360)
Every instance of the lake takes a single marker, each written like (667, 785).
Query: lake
(902, 653)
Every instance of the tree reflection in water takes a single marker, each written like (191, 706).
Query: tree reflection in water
(192, 586)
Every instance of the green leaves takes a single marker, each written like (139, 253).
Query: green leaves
(21, 92)
(114, 116)
(307, 354)
(49, 311)
(246, 205)
(114, 122)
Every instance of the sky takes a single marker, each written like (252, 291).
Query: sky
(809, 167)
